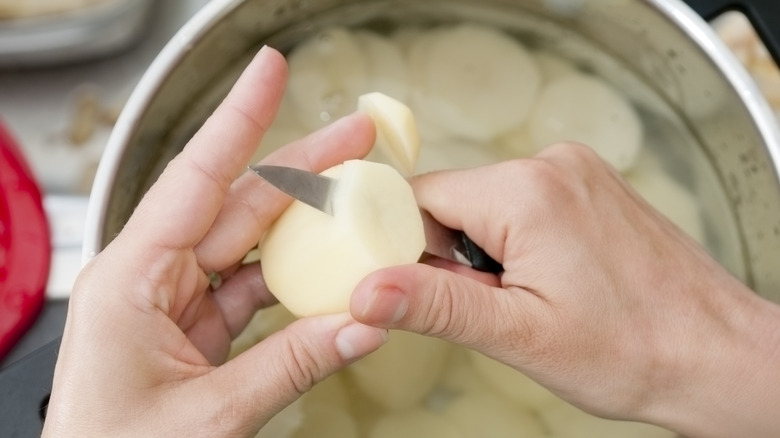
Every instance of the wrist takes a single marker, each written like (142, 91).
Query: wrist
(728, 384)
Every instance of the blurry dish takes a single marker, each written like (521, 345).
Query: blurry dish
(87, 29)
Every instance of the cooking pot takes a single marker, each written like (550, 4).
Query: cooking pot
(684, 79)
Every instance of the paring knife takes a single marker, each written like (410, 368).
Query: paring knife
(317, 191)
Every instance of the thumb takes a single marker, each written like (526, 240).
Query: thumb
(437, 302)
(269, 376)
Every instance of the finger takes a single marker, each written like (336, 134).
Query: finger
(241, 295)
(193, 186)
(436, 302)
(486, 278)
(456, 199)
(252, 204)
(270, 375)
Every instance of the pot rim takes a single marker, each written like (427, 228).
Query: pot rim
(676, 11)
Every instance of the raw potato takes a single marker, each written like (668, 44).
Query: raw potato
(566, 421)
(510, 382)
(388, 73)
(327, 74)
(312, 261)
(456, 155)
(474, 81)
(552, 66)
(670, 198)
(326, 411)
(417, 423)
(263, 323)
(460, 377)
(585, 109)
(402, 372)
(397, 139)
(487, 416)
(285, 423)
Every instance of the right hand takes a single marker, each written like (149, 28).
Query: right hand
(603, 300)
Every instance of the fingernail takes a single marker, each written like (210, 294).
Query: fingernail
(384, 305)
(357, 340)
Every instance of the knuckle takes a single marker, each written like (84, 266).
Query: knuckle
(440, 318)
(300, 364)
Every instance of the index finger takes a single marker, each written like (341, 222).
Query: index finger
(192, 188)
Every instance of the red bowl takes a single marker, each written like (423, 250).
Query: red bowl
(25, 245)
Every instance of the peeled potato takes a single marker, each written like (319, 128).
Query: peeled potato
(326, 411)
(396, 131)
(566, 421)
(387, 71)
(263, 323)
(285, 423)
(585, 109)
(487, 416)
(402, 372)
(327, 74)
(416, 423)
(510, 382)
(474, 81)
(670, 198)
(312, 261)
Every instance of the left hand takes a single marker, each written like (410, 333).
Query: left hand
(145, 334)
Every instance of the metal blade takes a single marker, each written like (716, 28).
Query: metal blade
(307, 187)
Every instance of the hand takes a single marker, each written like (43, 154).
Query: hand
(145, 334)
(603, 300)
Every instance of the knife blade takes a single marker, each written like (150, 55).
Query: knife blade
(317, 191)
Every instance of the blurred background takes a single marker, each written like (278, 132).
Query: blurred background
(60, 94)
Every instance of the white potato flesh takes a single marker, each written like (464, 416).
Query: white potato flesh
(565, 421)
(402, 372)
(285, 423)
(327, 74)
(456, 155)
(326, 411)
(517, 143)
(397, 139)
(416, 423)
(312, 261)
(669, 197)
(263, 323)
(585, 109)
(387, 70)
(552, 66)
(473, 80)
(508, 381)
(461, 377)
(488, 416)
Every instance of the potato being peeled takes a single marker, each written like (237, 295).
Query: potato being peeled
(312, 261)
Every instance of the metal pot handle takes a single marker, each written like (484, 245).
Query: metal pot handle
(763, 15)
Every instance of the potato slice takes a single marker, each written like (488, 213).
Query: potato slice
(415, 423)
(397, 139)
(402, 372)
(312, 261)
(488, 416)
(510, 382)
(566, 421)
(586, 109)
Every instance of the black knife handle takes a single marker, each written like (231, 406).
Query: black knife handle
(479, 259)
(25, 387)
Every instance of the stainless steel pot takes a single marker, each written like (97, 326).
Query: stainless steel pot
(663, 43)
